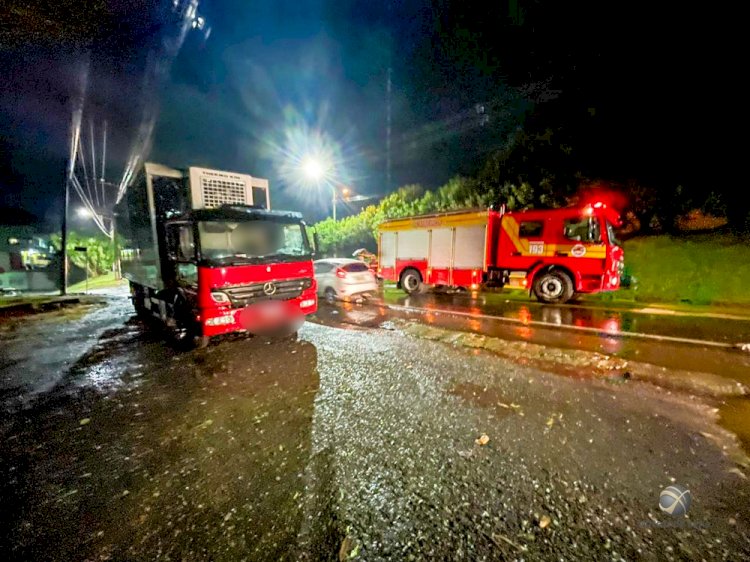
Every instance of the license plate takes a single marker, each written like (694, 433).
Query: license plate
(270, 309)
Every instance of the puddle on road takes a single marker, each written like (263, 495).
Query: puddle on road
(734, 415)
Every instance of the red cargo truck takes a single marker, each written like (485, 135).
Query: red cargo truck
(205, 255)
(552, 253)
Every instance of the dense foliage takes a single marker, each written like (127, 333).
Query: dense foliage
(99, 256)
(535, 170)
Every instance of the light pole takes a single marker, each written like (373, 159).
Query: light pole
(316, 170)
(333, 203)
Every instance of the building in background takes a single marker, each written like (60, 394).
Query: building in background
(26, 259)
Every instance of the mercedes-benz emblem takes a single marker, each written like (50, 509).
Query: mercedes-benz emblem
(269, 288)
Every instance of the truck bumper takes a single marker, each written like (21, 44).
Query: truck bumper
(258, 317)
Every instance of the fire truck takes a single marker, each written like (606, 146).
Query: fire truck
(554, 254)
(205, 255)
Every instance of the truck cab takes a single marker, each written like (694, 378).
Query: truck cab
(241, 268)
(559, 252)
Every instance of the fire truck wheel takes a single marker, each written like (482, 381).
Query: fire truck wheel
(411, 281)
(553, 287)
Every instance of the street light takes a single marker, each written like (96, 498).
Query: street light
(316, 169)
(86, 213)
(313, 169)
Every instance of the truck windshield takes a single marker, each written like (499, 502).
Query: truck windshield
(611, 234)
(257, 241)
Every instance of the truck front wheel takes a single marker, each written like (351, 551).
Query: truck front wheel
(553, 287)
(411, 281)
(186, 331)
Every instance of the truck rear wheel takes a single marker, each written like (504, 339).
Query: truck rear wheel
(411, 281)
(138, 298)
(553, 287)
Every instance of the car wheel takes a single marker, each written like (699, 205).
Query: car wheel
(330, 295)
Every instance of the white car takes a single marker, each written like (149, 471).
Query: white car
(341, 278)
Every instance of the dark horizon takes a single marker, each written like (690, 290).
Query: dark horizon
(635, 89)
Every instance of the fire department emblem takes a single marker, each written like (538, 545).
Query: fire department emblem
(269, 288)
(578, 251)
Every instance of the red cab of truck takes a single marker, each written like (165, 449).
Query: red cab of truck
(552, 253)
(205, 255)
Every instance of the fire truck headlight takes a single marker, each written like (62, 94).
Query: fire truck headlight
(306, 303)
(219, 297)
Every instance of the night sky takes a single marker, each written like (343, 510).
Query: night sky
(643, 89)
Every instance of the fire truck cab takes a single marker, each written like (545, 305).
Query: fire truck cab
(552, 253)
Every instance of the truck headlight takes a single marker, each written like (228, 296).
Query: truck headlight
(220, 320)
(219, 297)
(306, 303)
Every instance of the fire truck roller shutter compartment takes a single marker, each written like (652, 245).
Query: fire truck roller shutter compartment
(440, 252)
(470, 247)
(412, 244)
(388, 249)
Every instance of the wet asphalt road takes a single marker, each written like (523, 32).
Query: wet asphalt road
(351, 441)
(594, 317)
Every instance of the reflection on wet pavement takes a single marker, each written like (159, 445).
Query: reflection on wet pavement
(732, 364)
(160, 454)
(599, 318)
(37, 352)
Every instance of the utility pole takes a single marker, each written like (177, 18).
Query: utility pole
(64, 238)
(333, 202)
(388, 132)
(388, 89)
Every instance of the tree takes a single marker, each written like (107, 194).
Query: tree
(99, 256)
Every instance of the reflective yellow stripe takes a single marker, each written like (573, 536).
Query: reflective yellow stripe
(475, 218)
(510, 226)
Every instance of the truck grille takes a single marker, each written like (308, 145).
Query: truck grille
(284, 290)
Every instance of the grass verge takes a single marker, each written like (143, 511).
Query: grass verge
(99, 282)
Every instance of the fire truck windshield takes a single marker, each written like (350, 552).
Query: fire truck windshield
(611, 234)
(256, 241)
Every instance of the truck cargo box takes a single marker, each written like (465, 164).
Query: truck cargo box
(160, 193)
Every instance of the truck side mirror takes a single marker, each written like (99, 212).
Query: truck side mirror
(315, 249)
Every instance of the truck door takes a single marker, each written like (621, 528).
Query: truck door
(522, 242)
(182, 267)
(585, 235)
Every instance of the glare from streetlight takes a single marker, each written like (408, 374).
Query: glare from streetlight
(313, 169)
(83, 212)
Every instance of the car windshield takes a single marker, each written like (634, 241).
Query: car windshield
(254, 241)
